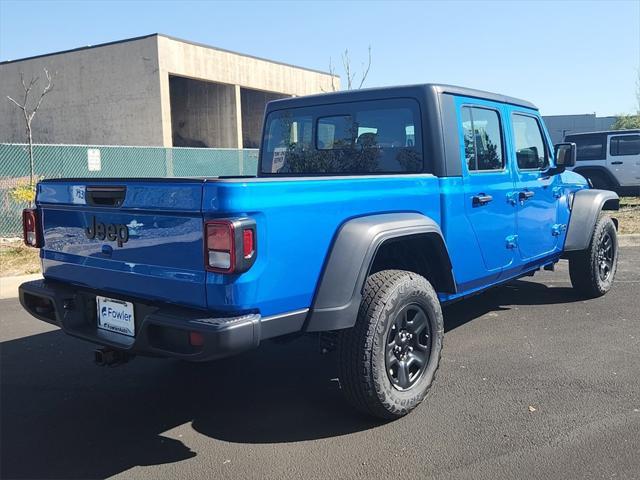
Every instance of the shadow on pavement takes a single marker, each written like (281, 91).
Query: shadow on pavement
(518, 292)
(63, 417)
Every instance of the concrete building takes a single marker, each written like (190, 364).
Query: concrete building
(153, 90)
(561, 125)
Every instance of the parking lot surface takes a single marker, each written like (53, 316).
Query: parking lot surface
(534, 383)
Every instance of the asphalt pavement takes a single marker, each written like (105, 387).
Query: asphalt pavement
(534, 383)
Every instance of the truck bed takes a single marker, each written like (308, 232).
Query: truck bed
(164, 257)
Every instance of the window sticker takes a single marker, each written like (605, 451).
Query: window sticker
(278, 159)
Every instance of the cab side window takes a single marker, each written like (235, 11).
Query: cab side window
(530, 147)
(590, 147)
(625, 145)
(482, 135)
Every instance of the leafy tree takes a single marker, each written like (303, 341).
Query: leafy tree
(627, 122)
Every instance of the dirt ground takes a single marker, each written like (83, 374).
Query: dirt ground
(17, 259)
(629, 215)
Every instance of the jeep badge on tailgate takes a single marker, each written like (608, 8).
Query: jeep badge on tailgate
(110, 231)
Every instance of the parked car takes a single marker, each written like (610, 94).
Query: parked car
(610, 159)
(371, 209)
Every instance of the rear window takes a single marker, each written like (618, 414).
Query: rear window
(589, 147)
(347, 138)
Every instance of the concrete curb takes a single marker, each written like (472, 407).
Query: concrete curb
(9, 285)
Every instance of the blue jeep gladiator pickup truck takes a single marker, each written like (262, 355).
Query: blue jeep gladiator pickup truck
(370, 210)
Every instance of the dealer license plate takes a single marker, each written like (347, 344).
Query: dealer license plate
(116, 316)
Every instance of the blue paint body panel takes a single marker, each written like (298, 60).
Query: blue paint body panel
(163, 259)
(297, 220)
(296, 223)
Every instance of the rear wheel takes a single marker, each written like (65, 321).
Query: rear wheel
(592, 270)
(388, 361)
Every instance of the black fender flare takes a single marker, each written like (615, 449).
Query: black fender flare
(339, 291)
(586, 206)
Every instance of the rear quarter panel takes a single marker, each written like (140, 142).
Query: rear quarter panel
(297, 219)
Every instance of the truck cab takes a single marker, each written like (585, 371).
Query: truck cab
(370, 209)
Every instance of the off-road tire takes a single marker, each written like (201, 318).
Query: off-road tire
(361, 350)
(586, 276)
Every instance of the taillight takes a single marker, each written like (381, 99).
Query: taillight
(230, 245)
(31, 228)
(248, 243)
(220, 246)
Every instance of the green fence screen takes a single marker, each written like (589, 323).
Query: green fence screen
(74, 161)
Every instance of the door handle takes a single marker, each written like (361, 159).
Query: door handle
(616, 163)
(481, 199)
(525, 195)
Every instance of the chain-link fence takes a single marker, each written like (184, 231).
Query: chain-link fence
(75, 161)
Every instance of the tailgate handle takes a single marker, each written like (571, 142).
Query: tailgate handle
(105, 196)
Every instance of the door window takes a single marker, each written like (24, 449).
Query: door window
(625, 145)
(482, 134)
(590, 147)
(530, 147)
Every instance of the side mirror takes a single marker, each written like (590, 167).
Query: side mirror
(566, 154)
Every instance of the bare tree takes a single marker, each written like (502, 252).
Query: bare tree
(29, 109)
(332, 72)
(350, 74)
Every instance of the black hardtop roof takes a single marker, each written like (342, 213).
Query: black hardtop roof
(603, 132)
(394, 92)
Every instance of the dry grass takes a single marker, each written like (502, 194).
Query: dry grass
(18, 259)
(630, 201)
(629, 215)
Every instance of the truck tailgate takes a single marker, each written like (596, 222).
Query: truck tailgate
(135, 237)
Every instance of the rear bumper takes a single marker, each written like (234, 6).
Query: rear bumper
(161, 330)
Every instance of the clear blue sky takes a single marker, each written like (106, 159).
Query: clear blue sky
(567, 57)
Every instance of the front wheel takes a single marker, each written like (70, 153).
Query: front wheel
(388, 360)
(592, 270)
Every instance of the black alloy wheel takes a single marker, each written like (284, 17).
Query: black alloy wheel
(605, 257)
(408, 347)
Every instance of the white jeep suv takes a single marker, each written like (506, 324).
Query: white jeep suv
(609, 160)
